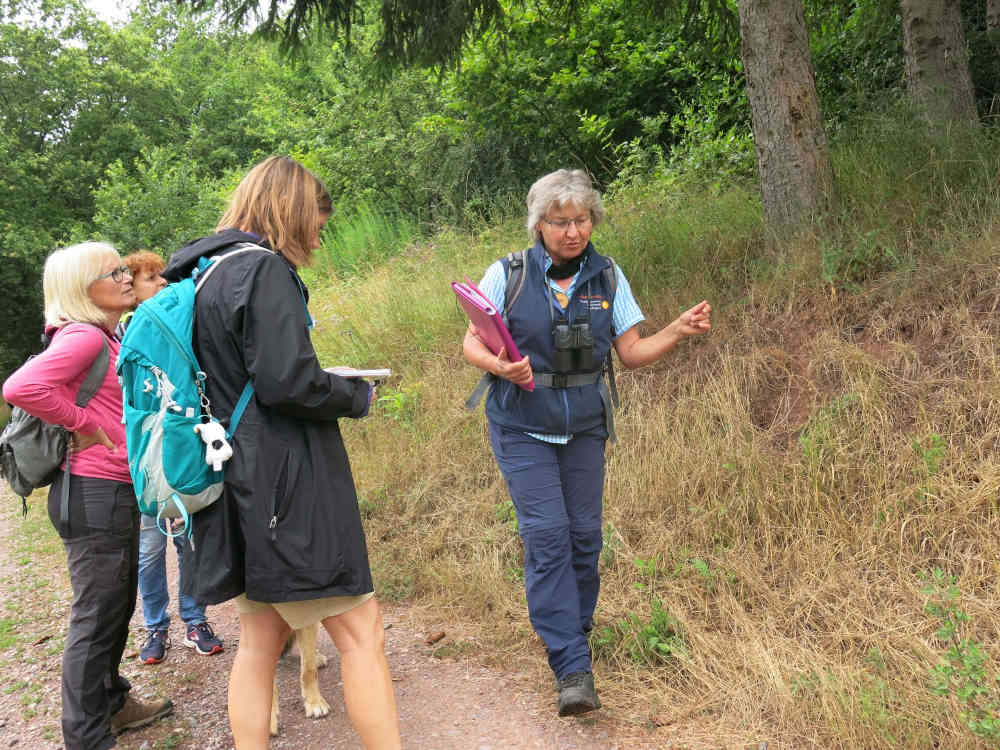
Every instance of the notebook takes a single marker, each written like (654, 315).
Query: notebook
(350, 372)
(489, 323)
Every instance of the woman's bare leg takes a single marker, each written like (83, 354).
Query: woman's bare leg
(251, 681)
(371, 702)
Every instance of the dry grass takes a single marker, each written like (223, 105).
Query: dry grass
(778, 493)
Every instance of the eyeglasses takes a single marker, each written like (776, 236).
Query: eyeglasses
(563, 224)
(116, 274)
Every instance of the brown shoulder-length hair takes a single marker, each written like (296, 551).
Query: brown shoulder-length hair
(282, 201)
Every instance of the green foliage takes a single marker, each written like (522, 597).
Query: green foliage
(857, 54)
(821, 438)
(572, 92)
(507, 515)
(161, 204)
(984, 56)
(8, 633)
(400, 404)
(851, 260)
(650, 568)
(931, 452)
(963, 674)
(612, 544)
(650, 641)
(21, 302)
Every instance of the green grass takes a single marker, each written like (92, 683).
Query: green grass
(358, 239)
(777, 486)
(8, 633)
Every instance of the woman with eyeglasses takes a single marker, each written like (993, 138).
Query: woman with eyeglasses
(86, 289)
(573, 306)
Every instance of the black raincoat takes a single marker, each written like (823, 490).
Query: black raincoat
(287, 526)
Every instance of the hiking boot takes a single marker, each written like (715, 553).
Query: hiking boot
(135, 714)
(577, 694)
(155, 649)
(201, 638)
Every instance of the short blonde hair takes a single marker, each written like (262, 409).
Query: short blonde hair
(144, 260)
(282, 201)
(558, 189)
(68, 274)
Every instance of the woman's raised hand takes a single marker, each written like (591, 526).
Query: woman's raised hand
(696, 320)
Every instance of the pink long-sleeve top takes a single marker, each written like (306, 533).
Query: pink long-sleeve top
(46, 387)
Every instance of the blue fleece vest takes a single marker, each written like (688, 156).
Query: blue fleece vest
(555, 411)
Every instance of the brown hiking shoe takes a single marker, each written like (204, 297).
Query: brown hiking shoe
(135, 714)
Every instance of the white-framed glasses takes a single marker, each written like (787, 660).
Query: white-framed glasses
(563, 224)
(115, 274)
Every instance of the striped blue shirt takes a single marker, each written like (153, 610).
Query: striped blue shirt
(625, 312)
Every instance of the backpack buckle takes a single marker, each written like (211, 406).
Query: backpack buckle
(559, 380)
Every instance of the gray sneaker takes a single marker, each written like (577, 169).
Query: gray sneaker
(577, 694)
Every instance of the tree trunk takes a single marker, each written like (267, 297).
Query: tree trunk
(992, 15)
(793, 159)
(937, 62)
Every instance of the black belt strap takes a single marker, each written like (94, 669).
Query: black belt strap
(572, 380)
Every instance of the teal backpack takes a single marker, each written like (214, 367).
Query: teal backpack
(176, 447)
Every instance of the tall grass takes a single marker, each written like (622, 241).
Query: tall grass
(785, 493)
(360, 237)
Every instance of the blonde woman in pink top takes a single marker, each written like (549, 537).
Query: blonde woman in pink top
(87, 288)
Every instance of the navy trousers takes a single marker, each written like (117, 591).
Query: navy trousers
(557, 493)
(102, 551)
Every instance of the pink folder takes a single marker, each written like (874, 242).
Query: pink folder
(487, 320)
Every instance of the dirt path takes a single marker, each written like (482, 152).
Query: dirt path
(444, 704)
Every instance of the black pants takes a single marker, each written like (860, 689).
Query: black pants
(102, 550)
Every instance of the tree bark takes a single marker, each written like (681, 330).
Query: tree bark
(937, 62)
(793, 158)
(992, 15)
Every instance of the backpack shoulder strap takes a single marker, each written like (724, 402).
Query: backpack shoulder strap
(516, 274)
(240, 247)
(247, 393)
(609, 389)
(98, 368)
(610, 272)
(95, 378)
(610, 275)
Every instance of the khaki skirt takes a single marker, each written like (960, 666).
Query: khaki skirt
(304, 613)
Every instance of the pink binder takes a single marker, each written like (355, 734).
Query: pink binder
(487, 320)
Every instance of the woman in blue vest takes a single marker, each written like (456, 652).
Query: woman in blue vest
(549, 441)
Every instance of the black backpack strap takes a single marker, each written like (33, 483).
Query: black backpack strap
(88, 388)
(517, 272)
(98, 371)
(609, 392)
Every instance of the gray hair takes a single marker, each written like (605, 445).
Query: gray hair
(68, 274)
(558, 189)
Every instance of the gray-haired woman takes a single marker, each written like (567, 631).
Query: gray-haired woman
(549, 441)
(86, 291)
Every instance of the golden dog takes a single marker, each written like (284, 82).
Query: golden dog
(310, 660)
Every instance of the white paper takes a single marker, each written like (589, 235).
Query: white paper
(350, 372)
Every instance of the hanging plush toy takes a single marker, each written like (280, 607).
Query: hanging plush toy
(217, 448)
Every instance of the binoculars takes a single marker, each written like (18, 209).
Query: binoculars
(574, 346)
